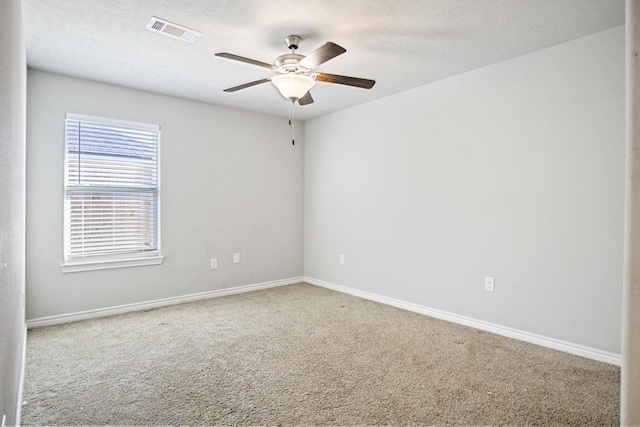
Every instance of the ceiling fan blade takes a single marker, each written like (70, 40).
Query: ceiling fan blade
(306, 99)
(246, 60)
(246, 85)
(345, 80)
(322, 54)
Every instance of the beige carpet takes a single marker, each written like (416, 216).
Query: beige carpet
(303, 355)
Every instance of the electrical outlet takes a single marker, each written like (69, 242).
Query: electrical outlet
(214, 263)
(489, 284)
(236, 258)
(341, 259)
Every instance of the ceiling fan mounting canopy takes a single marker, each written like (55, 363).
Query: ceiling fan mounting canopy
(293, 41)
(295, 74)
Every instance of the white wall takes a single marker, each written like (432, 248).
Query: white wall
(12, 208)
(514, 171)
(230, 182)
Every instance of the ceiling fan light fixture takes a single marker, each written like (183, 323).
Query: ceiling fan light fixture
(293, 86)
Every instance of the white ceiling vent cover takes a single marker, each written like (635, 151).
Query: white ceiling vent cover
(173, 30)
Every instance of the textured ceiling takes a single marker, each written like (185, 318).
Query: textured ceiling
(402, 44)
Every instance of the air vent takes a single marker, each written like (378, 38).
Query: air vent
(173, 30)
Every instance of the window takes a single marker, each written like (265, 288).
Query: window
(112, 198)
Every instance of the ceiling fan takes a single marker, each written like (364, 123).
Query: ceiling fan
(294, 72)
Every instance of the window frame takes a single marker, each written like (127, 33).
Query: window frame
(109, 261)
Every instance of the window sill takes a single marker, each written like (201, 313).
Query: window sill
(74, 267)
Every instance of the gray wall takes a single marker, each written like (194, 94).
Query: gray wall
(514, 171)
(230, 182)
(12, 202)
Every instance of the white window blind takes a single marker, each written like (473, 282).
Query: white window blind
(111, 189)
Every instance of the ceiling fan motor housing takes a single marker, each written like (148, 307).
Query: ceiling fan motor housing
(288, 61)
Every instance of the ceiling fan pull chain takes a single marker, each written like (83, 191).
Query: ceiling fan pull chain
(292, 122)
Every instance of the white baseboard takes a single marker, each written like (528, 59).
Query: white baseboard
(146, 305)
(555, 344)
(567, 347)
